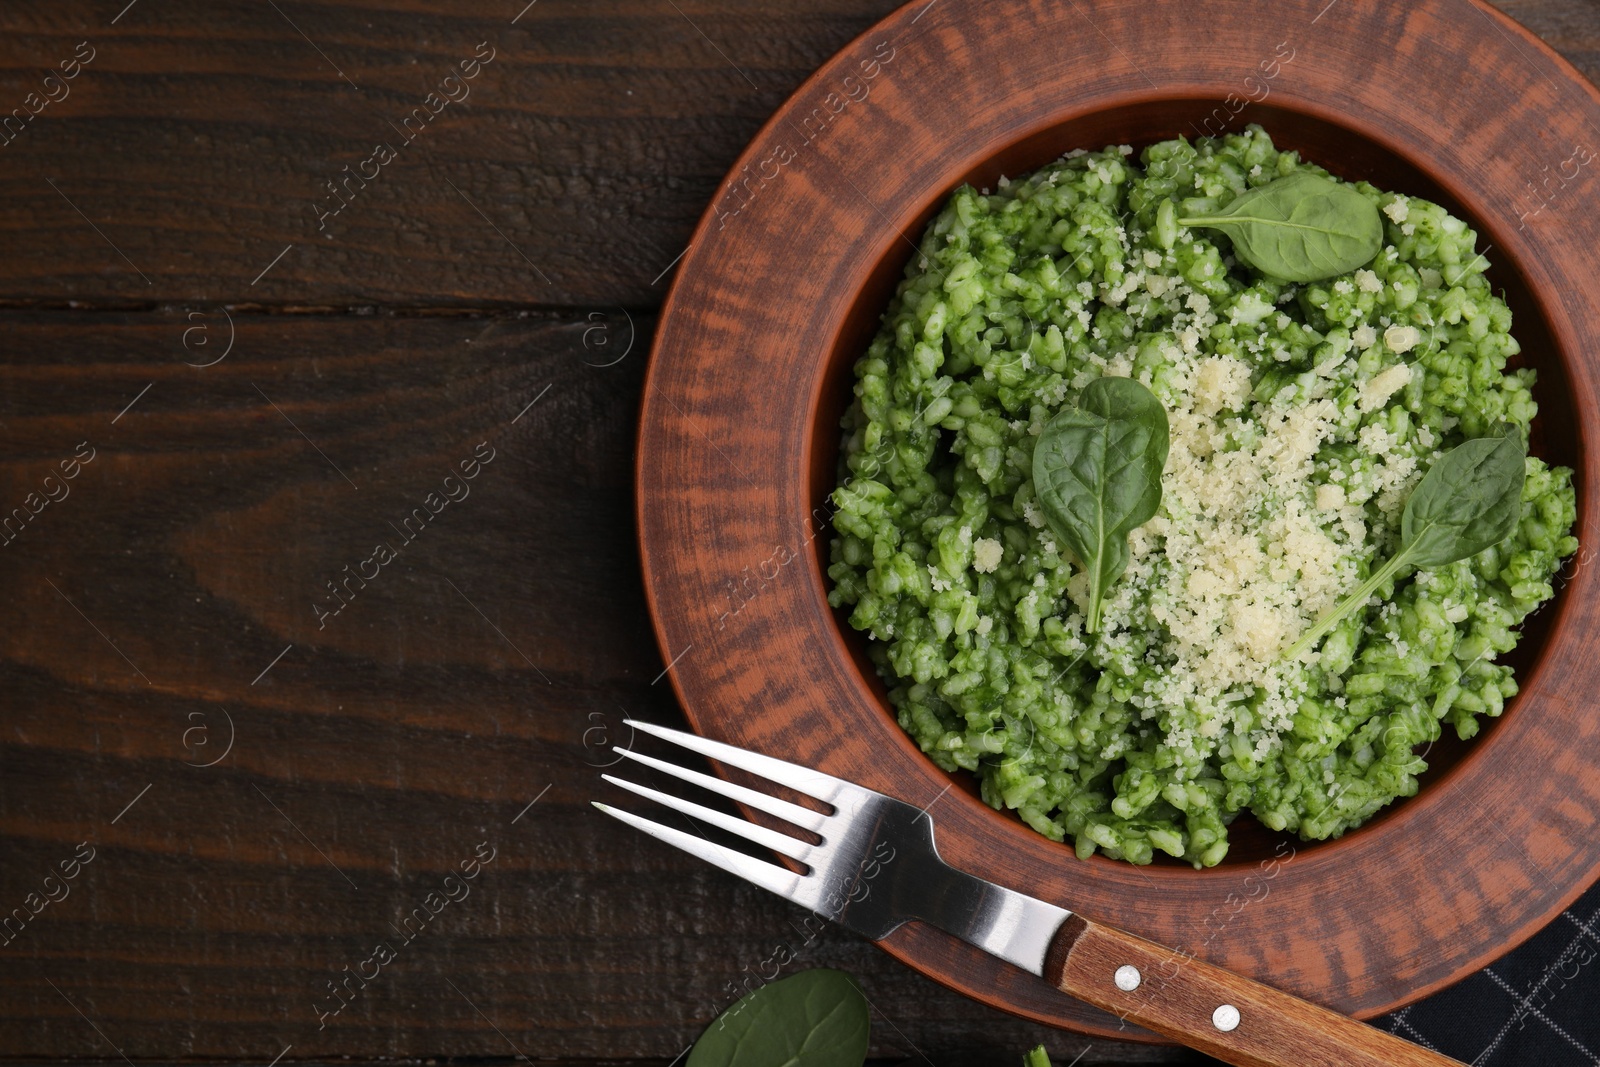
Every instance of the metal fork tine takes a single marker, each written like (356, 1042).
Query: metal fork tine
(802, 817)
(854, 877)
(812, 783)
(769, 876)
(748, 830)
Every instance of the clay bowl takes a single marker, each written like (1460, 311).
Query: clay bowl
(784, 283)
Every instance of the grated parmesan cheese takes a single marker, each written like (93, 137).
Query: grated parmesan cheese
(985, 555)
(1377, 390)
(1238, 589)
(1221, 384)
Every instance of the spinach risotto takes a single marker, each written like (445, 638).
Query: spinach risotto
(1300, 420)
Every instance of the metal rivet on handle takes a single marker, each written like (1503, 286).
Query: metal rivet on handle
(1127, 978)
(1225, 1018)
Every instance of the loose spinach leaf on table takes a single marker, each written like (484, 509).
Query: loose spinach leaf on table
(1097, 474)
(816, 1018)
(1469, 500)
(1300, 228)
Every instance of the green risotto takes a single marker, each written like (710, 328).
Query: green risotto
(1301, 418)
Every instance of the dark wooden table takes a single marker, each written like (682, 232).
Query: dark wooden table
(259, 347)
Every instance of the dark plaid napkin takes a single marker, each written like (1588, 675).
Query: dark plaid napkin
(1536, 1007)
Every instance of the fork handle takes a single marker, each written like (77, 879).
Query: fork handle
(1169, 991)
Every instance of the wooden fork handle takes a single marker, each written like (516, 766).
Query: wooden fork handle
(1216, 1011)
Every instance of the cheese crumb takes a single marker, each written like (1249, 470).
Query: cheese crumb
(1330, 497)
(1368, 281)
(1221, 384)
(1397, 210)
(1377, 390)
(985, 555)
(1402, 338)
(1364, 336)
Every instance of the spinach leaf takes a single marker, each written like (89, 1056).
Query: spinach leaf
(1097, 474)
(1468, 501)
(816, 1018)
(1300, 228)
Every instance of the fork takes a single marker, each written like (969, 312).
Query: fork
(877, 868)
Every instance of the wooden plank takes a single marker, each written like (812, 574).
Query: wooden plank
(1568, 26)
(1102, 1055)
(163, 606)
(200, 139)
(196, 146)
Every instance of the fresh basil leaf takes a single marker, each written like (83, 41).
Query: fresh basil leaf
(816, 1018)
(1300, 228)
(1469, 500)
(1097, 475)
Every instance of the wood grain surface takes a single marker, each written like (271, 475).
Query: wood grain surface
(513, 253)
(166, 605)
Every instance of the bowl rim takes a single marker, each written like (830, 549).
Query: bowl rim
(908, 949)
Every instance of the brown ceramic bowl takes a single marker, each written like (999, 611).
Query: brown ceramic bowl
(783, 286)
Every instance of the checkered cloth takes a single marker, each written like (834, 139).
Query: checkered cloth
(1538, 1006)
